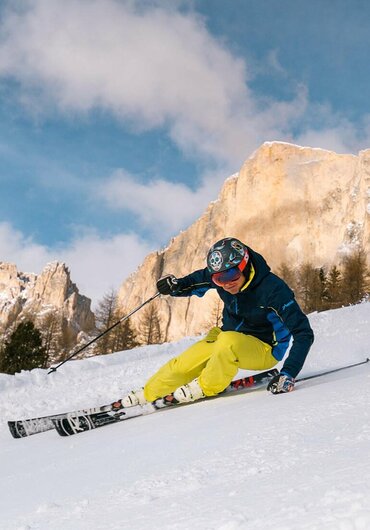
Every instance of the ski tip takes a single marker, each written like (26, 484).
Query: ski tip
(17, 429)
(13, 430)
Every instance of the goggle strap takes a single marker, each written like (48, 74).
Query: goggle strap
(241, 266)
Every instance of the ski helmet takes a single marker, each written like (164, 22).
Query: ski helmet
(227, 253)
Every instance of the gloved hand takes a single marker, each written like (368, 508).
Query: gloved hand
(212, 334)
(281, 383)
(167, 284)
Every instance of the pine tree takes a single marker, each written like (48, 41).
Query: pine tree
(124, 337)
(334, 288)
(50, 326)
(121, 337)
(105, 317)
(67, 339)
(23, 350)
(289, 275)
(355, 277)
(149, 326)
(323, 293)
(309, 288)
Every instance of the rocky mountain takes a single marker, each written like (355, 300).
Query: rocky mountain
(292, 204)
(49, 295)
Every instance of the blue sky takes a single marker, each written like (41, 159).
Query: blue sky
(119, 120)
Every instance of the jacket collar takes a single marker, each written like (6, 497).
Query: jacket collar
(248, 282)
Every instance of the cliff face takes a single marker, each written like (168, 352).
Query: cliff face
(51, 291)
(290, 203)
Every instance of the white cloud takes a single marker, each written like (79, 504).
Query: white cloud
(21, 250)
(151, 66)
(335, 132)
(99, 264)
(273, 62)
(162, 207)
(96, 264)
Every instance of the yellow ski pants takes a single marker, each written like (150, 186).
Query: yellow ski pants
(214, 361)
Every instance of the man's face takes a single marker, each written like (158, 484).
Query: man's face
(234, 286)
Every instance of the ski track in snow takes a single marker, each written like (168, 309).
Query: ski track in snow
(240, 462)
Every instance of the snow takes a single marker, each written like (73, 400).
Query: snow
(251, 461)
(290, 144)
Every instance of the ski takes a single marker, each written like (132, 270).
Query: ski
(23, 428)
(75, 422)
(31, 426)
(327, 372)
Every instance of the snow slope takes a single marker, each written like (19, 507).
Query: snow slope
(256, 461)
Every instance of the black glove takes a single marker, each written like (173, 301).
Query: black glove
(281, 383)
(167, 284)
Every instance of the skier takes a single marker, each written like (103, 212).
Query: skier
(260, 316)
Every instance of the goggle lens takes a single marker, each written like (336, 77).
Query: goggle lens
(223, 277)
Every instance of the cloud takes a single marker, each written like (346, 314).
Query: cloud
(333, 131)
(151, 66)
(21, 250)
(273, 62)
(97, 264)
(161, 206)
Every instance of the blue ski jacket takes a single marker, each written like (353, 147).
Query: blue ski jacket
(265, 308)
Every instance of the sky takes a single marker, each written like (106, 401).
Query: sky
(120, 120)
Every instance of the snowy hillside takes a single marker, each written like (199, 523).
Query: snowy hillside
(252, 461)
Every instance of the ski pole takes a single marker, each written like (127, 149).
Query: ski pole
(122, 319)
(332, 371)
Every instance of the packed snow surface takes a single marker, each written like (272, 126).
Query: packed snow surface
(247, 461)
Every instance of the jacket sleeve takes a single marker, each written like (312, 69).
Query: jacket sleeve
(197, 283)
(283, 303)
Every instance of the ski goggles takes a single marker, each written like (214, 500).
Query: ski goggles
(223, 277)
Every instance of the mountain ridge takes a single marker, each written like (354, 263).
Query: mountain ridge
(49, 294)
